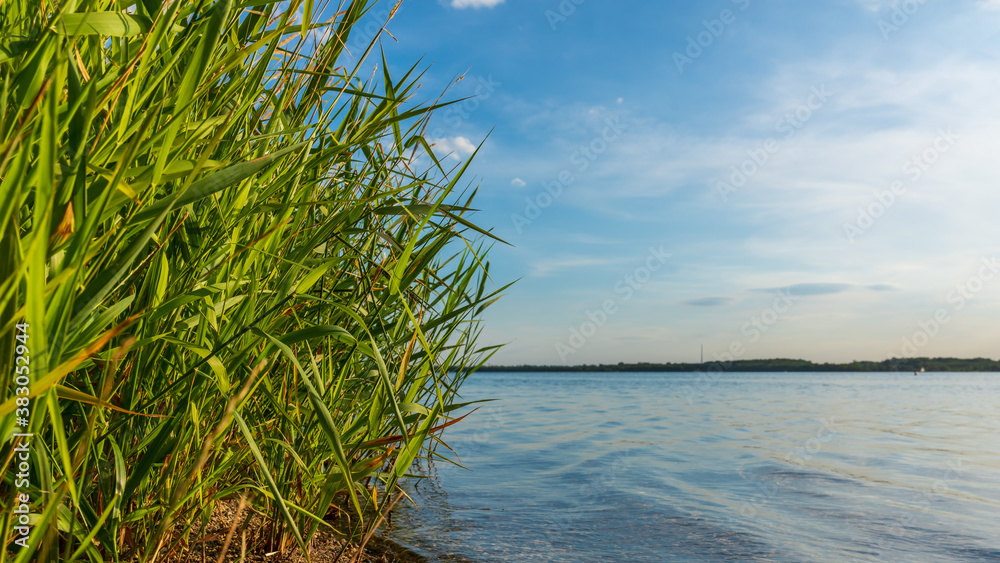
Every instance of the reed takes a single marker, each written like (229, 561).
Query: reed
(235, 278)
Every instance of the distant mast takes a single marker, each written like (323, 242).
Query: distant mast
(702, 353)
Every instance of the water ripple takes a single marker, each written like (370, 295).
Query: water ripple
(762, 467)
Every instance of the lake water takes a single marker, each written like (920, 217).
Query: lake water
(765, 466)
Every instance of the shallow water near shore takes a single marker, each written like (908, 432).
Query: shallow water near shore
(745, 466)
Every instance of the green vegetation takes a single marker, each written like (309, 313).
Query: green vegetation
(228, 278)
(895, 364)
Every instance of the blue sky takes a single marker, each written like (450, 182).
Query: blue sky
(813, 179)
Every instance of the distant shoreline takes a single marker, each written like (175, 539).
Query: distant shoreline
(780, 364)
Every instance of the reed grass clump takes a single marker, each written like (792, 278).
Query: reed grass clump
(233, 267)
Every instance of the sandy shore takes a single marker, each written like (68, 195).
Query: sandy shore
(243, 545)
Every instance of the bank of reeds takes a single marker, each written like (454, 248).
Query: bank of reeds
(225, 271)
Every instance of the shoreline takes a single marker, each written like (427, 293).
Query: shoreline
(727, 363)
(229, 523)
(399, 553)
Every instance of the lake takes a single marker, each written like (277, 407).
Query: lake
(742, 466)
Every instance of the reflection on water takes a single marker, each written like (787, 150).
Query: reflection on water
(766, 467)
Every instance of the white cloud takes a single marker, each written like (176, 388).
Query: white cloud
(878, 118)
(518, 183)
(552, 266)
(878, 5)
(455, 147)
(786, 226)
(462, 4)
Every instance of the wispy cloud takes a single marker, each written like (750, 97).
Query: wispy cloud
(809, 289)
(550, 267)
(873, 5)
(784, 229)
(462, 4)
(518, 183)
(709, 302)
(826, 288)
(882, 287)
(455, 147)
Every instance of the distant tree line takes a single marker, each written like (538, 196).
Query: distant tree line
(778, 364)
